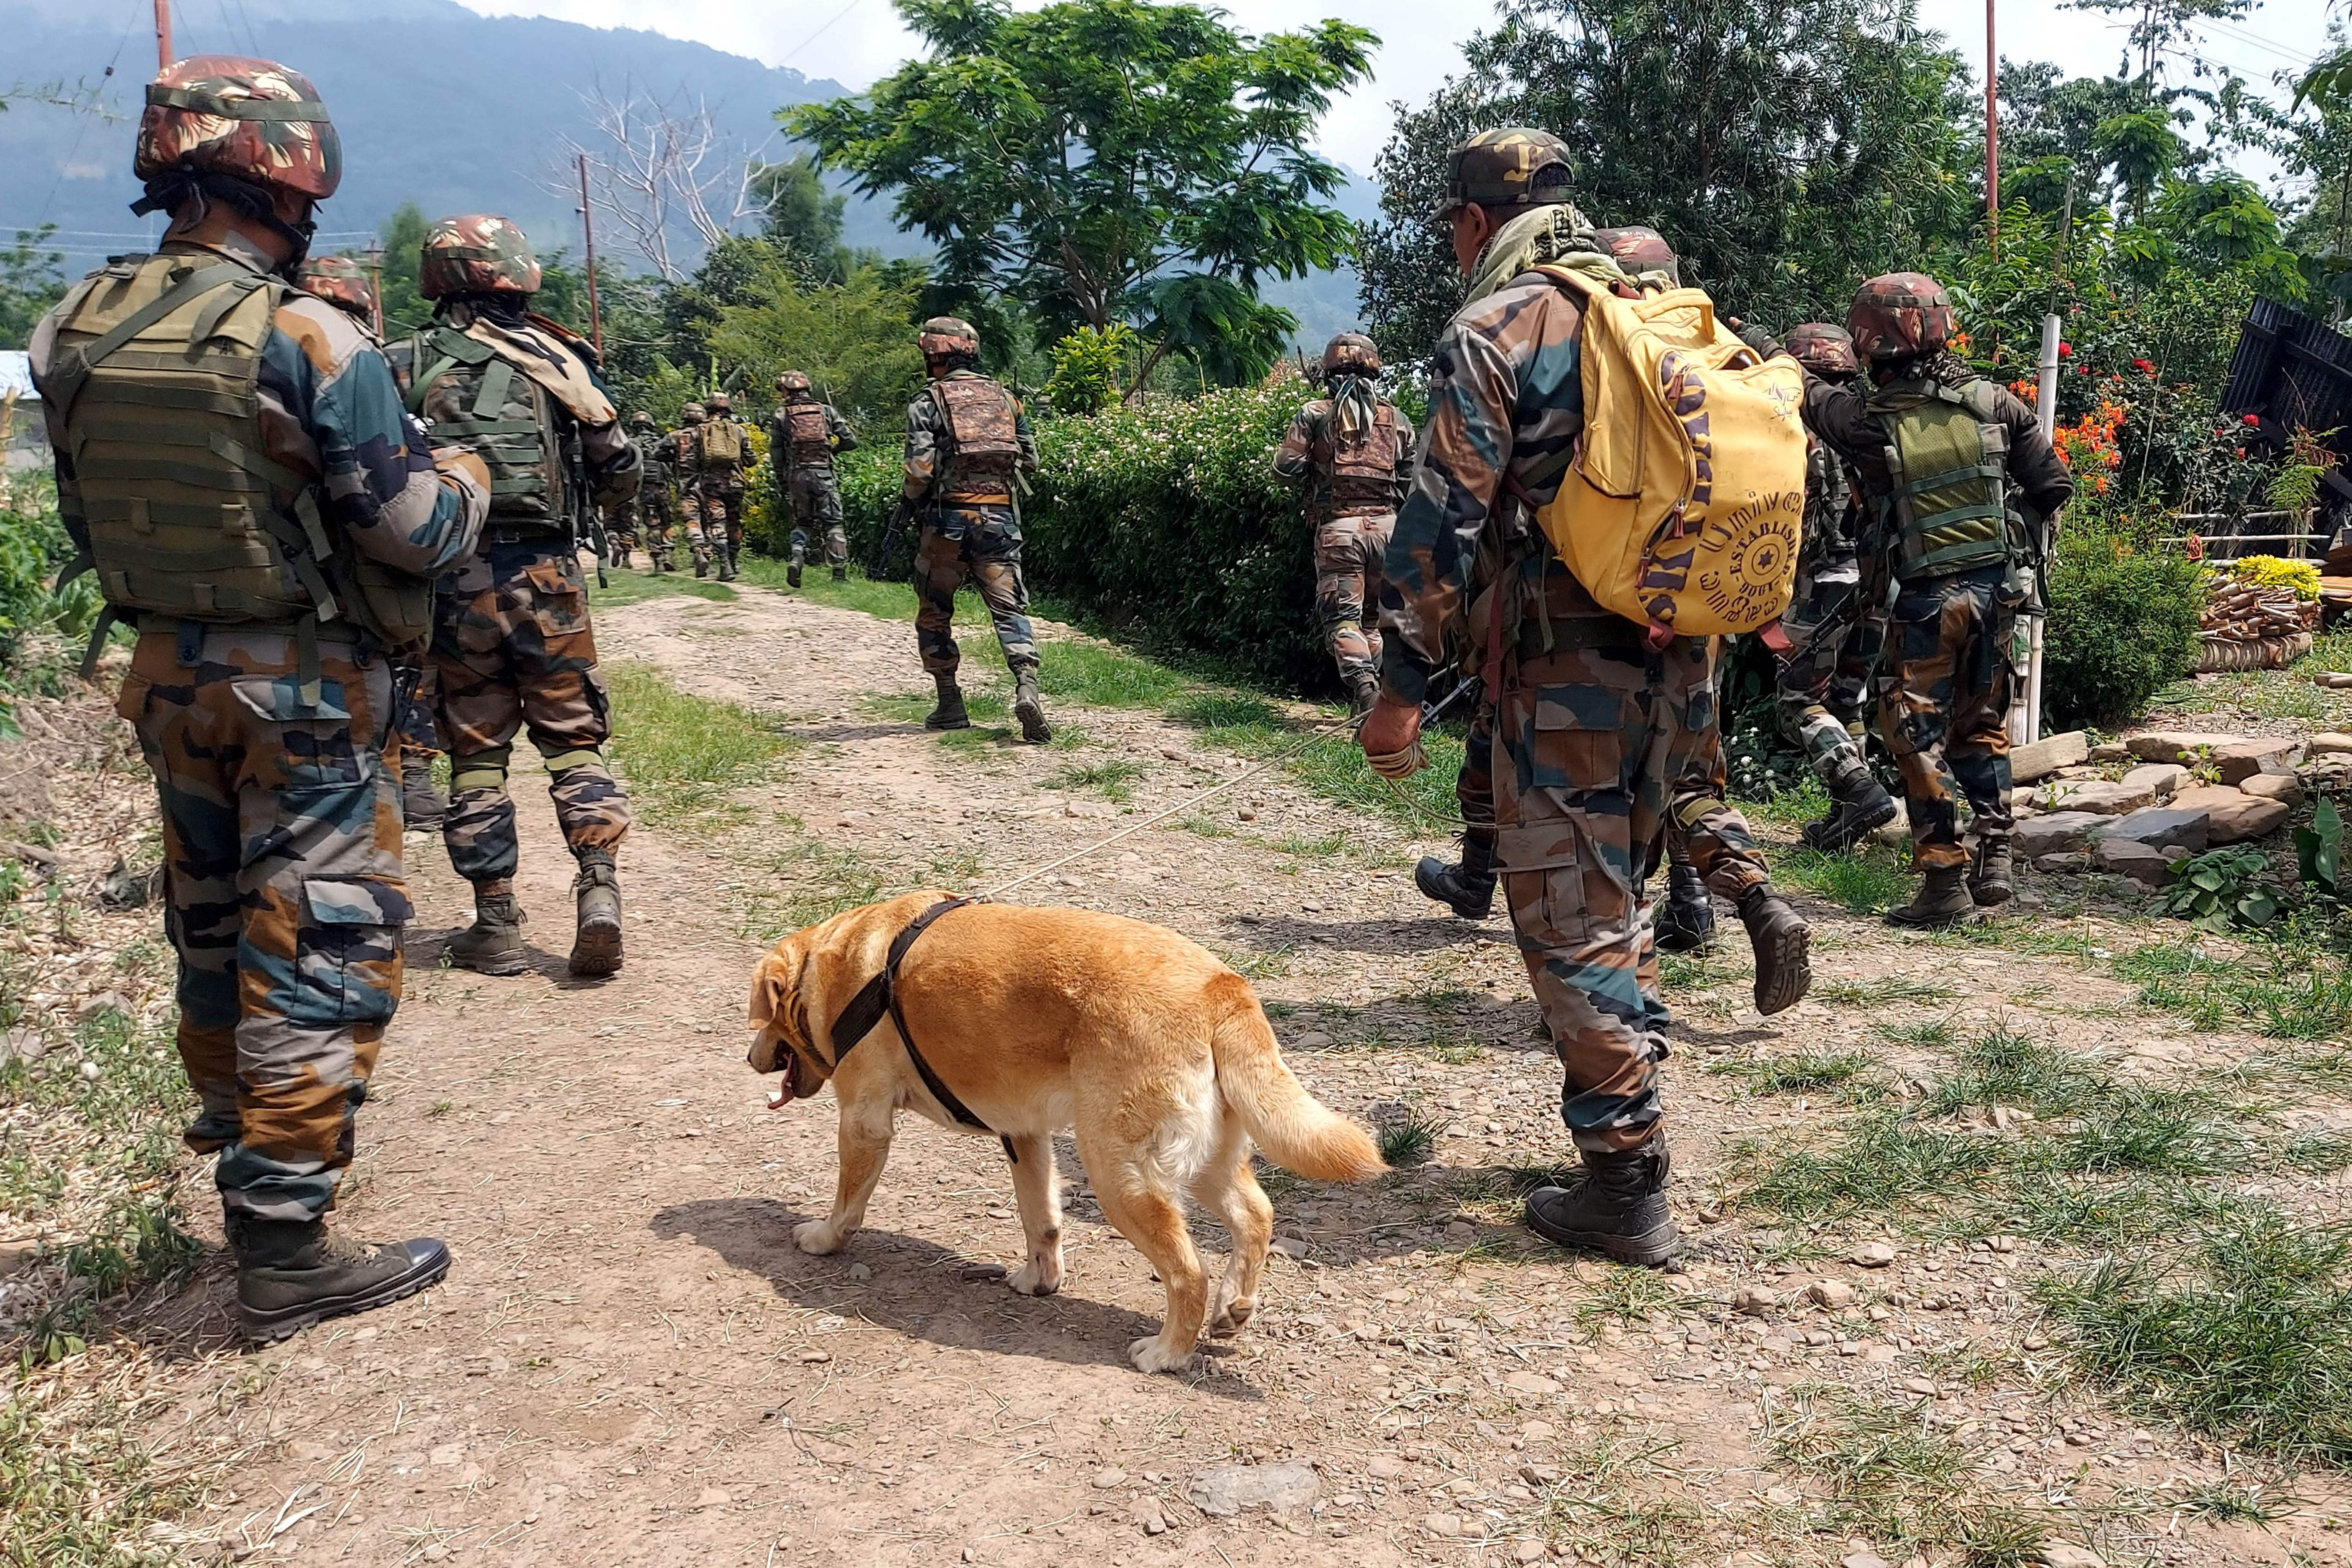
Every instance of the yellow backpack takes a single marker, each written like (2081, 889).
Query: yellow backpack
(1684, 507)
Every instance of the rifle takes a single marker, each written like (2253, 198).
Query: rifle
(878, 566)
(584, 509)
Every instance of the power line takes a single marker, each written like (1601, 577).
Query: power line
(820, 32)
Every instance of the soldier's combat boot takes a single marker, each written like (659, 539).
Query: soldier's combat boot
(1686, 920)
(727, 566)
(841, 574)
(1619, 1208)
(1944, 899)
(292, 1273)
(793, 567)
(1468, 889)
(1782, 944)
(1030, 709)
(949, 713)
(596, 941)
(1364, 692)
(422, 804)
(1859, 804)
(1991, 879)
(493, 943)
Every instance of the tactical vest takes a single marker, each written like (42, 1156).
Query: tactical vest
(155, 381)
(472, 397)
(1948, 455)
(807, 435)
(653, 461)
(1359, 476)
(979, 415)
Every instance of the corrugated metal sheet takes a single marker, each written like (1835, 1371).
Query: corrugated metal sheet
(2290, 370)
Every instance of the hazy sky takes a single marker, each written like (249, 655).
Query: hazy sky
(855, 41)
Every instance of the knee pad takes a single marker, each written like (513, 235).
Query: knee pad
(578, 757)
(481, 770)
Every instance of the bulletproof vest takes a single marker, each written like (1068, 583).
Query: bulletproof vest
(653, 460)
(807, 435)
(1360, 475)
(1947, 457)
(986, 444)
(719, 446)
(472, 397)
(155, 379)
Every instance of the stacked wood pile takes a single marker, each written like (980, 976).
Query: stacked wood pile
(2253, 625)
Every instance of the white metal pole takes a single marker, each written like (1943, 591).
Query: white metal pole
(2025, 717)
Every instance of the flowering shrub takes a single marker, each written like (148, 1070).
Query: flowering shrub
(2088, 446)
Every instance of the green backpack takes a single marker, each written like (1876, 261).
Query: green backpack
(470, 396)
(1947, 453)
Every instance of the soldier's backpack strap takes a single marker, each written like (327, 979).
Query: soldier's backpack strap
(879, 996)
(450, 349)
(62, 381)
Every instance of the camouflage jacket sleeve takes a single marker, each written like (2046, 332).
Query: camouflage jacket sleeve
(1506, 403)
(615, 467)
(922, 446)
(2034, 467)
(1294, 459)
(844, 438)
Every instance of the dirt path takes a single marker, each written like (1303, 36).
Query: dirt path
(630, 1362)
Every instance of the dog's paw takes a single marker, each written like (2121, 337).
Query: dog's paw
(816, 1236)
(1037, 1280)
(1150, 1355)
(1232, 1318)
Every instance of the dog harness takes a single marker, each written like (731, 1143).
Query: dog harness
(879, 996)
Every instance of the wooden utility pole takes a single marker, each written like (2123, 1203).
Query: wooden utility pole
(1992, 134)
(163, 56)
(588, 232)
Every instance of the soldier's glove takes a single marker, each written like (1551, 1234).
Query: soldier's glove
(1391, 736)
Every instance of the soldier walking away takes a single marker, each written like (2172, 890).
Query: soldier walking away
(1825, 614)
(653, 508)
(234, 465)
(721, 455)
(342, 283)
(804, 435)
(1352, 451)
(1962, 488)
(682, 444)
(968, 450)
(512, 641)
(1600, 736)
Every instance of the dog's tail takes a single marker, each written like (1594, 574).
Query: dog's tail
(1296, 1131)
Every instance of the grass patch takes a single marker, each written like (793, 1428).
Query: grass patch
(2294, 995)
(1410, 1138)
(1897, 1474)
(1865, 880)
(1795, 1072)
(1627, 1295)
(1104, 676)
(814, 881)
(884, 601)
(1885, 1161)
(1109, 780)
(1934, 1034)
(683, 756)
(623, 586)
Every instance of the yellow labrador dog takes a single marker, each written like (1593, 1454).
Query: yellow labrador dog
(1032, 1020)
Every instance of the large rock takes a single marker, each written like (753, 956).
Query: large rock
(1227, 1490)
(2039, 759)
(2233, 815)
(2285, 787)
(2163, 827)
(2104, 797)
(2164, 778)
(2144, 865)
(2242, 760)
(2055, 832)
(2177, 745)
(2328, 745)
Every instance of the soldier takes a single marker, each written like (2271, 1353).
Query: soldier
(1824, 616)
(343, 283)
(620, 517)
(968, 450)
(1962, 486)
(681, 446)
(803, 437)
(1352, 451)
(1599, 734)
(722, 455)
(511, 638)
(653, 506)
(233, 463)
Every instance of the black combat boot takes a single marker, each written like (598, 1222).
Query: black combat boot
(1686, 920)
(793, 565)
(1944, 899)
(1364, 692)
(727, 566)
(1990, 877)
(291, 1273)
(1859, 803)
(596, 942)
(1468, 889)
(1030, 709)
(1782, 944)
(1619, 1208)
(423, 807)
(949, 713)
(841, 574)
(493, 943)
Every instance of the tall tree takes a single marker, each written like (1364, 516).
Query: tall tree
(1108, 161)
(1786, 148)
(2159, 27)
(797, 212)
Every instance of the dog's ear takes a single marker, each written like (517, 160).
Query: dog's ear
(774, 977)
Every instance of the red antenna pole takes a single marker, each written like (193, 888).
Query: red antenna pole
(163, 56)
(588, 231)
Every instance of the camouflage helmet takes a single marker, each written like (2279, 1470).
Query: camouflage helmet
(718, 403)
(944, 335)
(641, 419)
(1498, 169)
(1350, 353)
(1898, 315)
(341, 281)
(1638, 250)
(792, 383)
(478, 253)
(691, 414)
(253, 118)
(1824, 348)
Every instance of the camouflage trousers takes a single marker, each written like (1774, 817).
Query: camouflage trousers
(621, 532)
(1347, 553)
(983, 543)
(713, 520)
(282, 877)
(1823, 618)
(513, 650)
(814, 494)
(1601, 751)
(1943, 698)
(659, 514)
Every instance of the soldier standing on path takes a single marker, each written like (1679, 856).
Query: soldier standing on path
(804, 434)
(721, 455)
(1599, 735)
(234, 465)
(1352, 451)
(681, 447)
(511, 640)
(1962, 488)
(968, 449)
(654, 505)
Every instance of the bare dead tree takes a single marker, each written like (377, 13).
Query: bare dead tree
(655, 163)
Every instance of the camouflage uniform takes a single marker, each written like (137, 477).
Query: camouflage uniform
(803, 436)
(711, 500)
(972, 528)
(1354, 483)
(677, 457)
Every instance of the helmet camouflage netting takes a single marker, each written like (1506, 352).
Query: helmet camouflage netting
(944, 335)
(476, 253)
(230, 114)
(1351, 354)
(793, 382)
(1639, 249)
(1824, 348)
(341, 281)
(1899, 315)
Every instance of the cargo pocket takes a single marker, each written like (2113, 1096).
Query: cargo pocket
(1544, 865)
(315, 746)
(347, 957)
(1580, 741)
(559, 598)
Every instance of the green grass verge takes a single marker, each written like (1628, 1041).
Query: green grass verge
(684, 756)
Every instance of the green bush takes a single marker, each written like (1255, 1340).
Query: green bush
(2123, 625)
(33, 547)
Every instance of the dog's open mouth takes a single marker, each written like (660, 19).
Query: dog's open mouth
(796, 1078)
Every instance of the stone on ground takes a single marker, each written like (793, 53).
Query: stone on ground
(1225, 1491)
(2328, 745)
(2177, 745)
(2233, 815)
(2164, 778)
(2039, 759)
(2144, 865)
(2055, 832)
(2242, 760)
(2104, 797)
(2163, 827)
(2287, 787)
